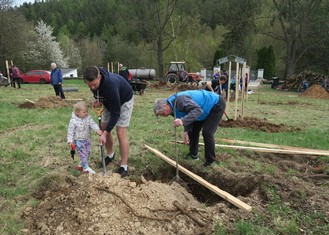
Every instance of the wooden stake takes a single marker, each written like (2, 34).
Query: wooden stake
(267, 150)
(118, 67)
(243, 89)
(108, 66)
(237, 87)
(8, 74)
(112, 67)
(228, 87)
(225, 195)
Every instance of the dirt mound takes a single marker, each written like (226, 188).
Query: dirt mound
(258, 124)
(184, 87)
(159, 85)
(111, 205)
(294, 81)
(172, 87)
(316, 91)
(49, 102)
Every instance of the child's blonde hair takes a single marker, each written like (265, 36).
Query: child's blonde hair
(80, 106)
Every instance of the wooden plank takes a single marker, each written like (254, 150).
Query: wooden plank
(273, 146)
(225, 195)
(267, 150)
(30, 101)
(243, 90)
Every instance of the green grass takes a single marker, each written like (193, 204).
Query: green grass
(30, 137)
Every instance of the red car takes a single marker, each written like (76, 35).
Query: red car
(35, 76)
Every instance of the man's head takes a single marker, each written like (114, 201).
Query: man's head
(162, 108)
(120, 66)
(92, 77)
(53, 66)
(222, 79)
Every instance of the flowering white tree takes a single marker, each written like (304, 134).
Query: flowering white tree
(47, 49)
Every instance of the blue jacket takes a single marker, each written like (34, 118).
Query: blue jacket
(56, 76)
(194, 105)
(113, 92)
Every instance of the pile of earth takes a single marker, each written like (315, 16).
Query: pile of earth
(257, 124)
(96, 204)
(295, 103)
(315, 91)
(294, 81)
(47, 102)
(172, 87)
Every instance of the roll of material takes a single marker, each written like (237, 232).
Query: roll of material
(143, 73)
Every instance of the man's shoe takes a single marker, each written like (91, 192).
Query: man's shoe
(191, 156)
(108, 160)
(122, 171)
(206, 164)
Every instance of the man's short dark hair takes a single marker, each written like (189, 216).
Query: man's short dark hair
(223, 78)
(91, 73)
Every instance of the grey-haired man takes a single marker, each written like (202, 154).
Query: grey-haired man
(195, 110)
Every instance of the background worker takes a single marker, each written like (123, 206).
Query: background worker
(56, 80)
(216, 85)
(124, 72)
(15, 75)
(115, 93)
(195, 110)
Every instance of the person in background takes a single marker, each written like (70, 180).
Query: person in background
(216, 75)
(215, 85)
(246, 80)
(15, 75)
(195, 110)
(116, 95)
(124, 72)
(56, 80)
(78, 134)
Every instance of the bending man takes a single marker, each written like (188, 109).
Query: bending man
(195, 110)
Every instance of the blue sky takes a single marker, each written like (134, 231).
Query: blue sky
(19, 2)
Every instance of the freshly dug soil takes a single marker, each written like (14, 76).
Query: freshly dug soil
(49, 102)
(172, 87)
(315, 91)
(97, 204)
(258, 124)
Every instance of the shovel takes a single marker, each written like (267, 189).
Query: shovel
(99, 112)
(229, 119)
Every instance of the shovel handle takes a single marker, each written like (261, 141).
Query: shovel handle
(99, 110)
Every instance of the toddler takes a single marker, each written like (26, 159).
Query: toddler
(78, 133)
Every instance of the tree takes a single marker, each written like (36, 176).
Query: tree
(266, 61)
(16, 33)
(92, 51)
(71, 51)
(154, 25)
(304, 26)
(47, 49)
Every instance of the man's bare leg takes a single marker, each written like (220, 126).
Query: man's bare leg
(123, 144)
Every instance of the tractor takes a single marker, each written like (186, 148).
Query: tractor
(177, 73)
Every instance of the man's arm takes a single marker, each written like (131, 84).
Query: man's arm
(187, 105)
(60, 76)
(115, 109)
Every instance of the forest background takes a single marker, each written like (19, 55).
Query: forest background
(284, 36)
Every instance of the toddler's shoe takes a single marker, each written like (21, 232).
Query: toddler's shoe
(88, 171)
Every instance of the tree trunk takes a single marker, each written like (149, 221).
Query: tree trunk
(291, 59)
(160, 55)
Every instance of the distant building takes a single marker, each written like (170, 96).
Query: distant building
(70, 73)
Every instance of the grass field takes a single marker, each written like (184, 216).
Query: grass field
(33, 144)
